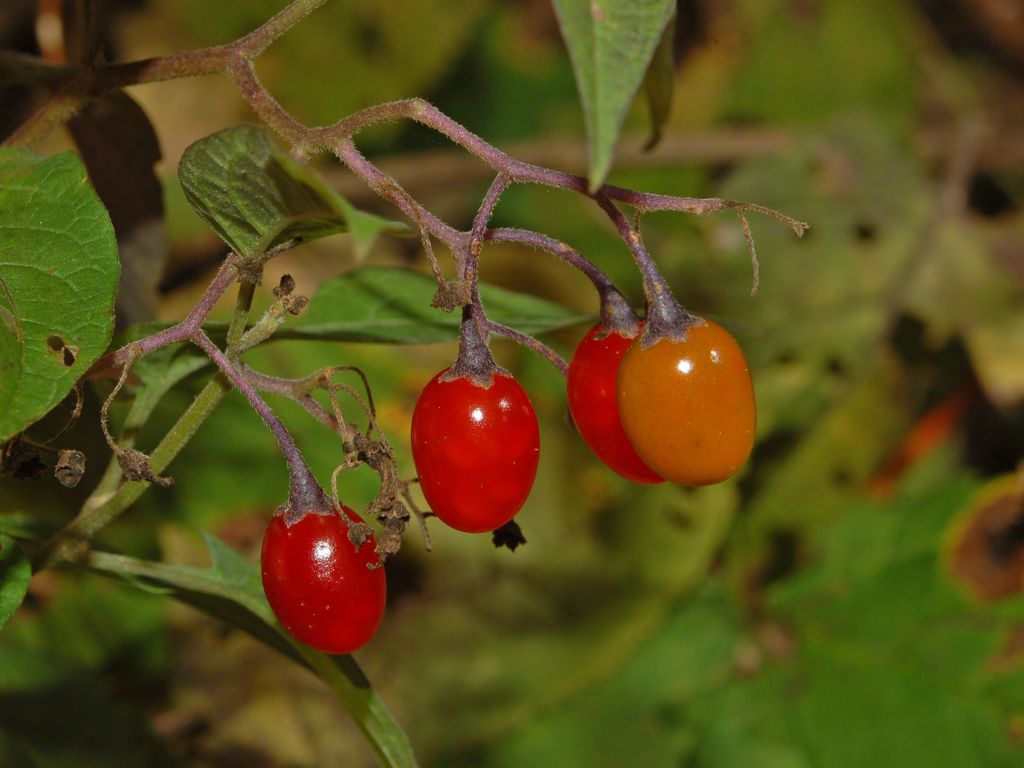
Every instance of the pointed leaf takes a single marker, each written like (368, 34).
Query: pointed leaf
(58, 277)
(611, 43)
(256, 196)
(392, 306)
(231, 590)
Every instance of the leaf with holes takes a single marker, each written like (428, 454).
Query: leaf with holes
(611, 43)
(58, 277)
(15, 573)
(256, 196)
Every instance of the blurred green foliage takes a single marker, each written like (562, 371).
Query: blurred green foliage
(802, 614)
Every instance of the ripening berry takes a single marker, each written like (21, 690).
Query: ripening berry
(688, 405)
(593, 403)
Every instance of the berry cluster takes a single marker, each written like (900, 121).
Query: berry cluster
(666, 399)
(652, 409)
(669, 409)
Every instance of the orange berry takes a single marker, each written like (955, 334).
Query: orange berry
(688, 406)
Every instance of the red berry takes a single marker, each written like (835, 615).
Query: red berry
(476, 450)
(687, 405)
(591, 386)
(319, 584)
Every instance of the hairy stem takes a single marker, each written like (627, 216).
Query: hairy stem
(483, 216)
(89, 25)
(665, 317)
(616, 313)
(305, 494)
(531, 343)
(184, 330)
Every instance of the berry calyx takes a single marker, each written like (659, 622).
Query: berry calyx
(319, 584)
(476, 448)
(687, 404)
(593, 402)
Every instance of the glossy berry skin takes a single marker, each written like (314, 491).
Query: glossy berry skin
(591, 386)
(476, 450)
(318, 583)
(688, 405)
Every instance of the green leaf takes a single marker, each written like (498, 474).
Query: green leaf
(23, 525)
(392, 306)
(611, 43)
(82, 630)
(364, 227)
(15, 573)
(231, 590)
(256, 196)
(58, 278)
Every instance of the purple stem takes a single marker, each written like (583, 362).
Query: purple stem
(528, 341)
(665, 316)
(183, 330)
(555, 247)
(478, 233)
(305, 494)
(294, 389)
(243, 72)
(616, 313)
(388, 187)
(472, 254)
(427, 114)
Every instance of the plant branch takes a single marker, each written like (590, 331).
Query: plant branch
(89, 25)
(565, 252)
(193, 322)
(108, 501)
(16, 67)
(525, 340)
(80, 84)
(616, 312)
(391, 190)
(261, 38)
(664, 316)
(295, 389)
(305, 494)
(483, 216)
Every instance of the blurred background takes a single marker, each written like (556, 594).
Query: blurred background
(852, 598)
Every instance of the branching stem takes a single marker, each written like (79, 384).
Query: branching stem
(76, 86)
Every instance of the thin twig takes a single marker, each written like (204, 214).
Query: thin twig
(305, 494)
(529, 342)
